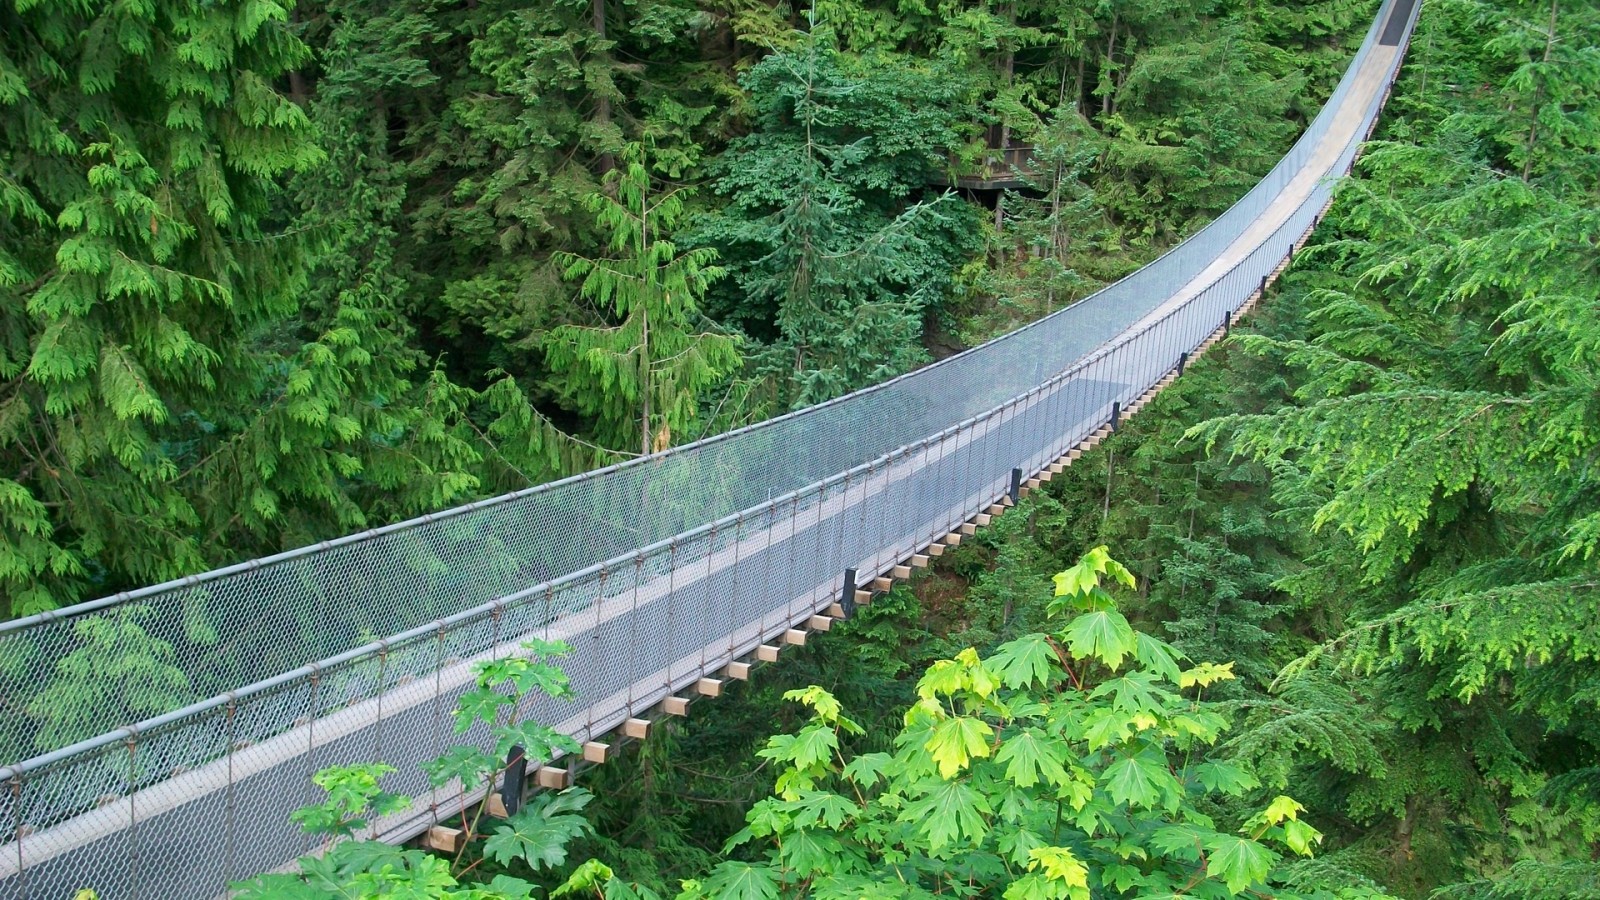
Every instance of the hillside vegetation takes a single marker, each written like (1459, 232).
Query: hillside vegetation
(273, 273)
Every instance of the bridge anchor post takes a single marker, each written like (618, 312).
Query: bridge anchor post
(1016, 485)
(516, 778)
(1183, 360)
(1116, 413)
(847, 599)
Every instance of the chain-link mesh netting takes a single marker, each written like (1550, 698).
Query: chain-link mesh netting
(656, 572)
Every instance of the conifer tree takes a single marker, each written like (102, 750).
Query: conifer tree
(1442, 438)
(832, 264)
(378, 67)
(642, 370)
(159, 408)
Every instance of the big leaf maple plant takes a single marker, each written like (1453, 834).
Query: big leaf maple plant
(1066, 765)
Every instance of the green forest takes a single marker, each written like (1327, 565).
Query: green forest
(1320, 622)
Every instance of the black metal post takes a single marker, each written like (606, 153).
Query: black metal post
(1263, 285)
(1183, 360)
(847, 601)
(1227, 321)
(516, 776)
(1116, 413)
(1016, 485)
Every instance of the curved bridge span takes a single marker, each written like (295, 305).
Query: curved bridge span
(663, 573)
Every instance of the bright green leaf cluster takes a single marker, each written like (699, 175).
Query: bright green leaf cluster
(1066, 765)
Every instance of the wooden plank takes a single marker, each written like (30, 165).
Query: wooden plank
(553, 778)
(676, 706)
(997, 509)
(739, 671)
(1059, 466)
(935, 549)
(443, 839)
(1074, 453)
(968, 528)
(795, 637)
(1033, 483)
(882, 583)
(836, 610)
(768, 652)
(638, 729)
(709, 687)
(819, 623)
(495, 805)
(596, 752)
(901, 572)
(953, 539)
(863, 597)
(919, 560)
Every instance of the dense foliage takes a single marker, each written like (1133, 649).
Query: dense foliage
(1387, 521)
(1064, 766)
(1393, 543)
(273, 272)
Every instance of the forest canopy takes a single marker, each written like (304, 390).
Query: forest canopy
(274, 272)
(277, 272)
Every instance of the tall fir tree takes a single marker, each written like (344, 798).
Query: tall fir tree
(834, 264)
(1442, 437)
(640, 372)
(166, 404)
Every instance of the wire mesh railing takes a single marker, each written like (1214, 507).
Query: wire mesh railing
(656, 571)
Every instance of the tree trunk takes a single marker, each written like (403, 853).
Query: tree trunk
(1077, 94)
(1111, 62)
(644, 379)
(1105, 512)
(1008, 67)
(1149, 574)
(602, 109)
(297, 81)
(1538, 96)
(644, 324)
(1408, 824)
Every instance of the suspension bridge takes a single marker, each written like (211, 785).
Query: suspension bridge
(667, 574)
